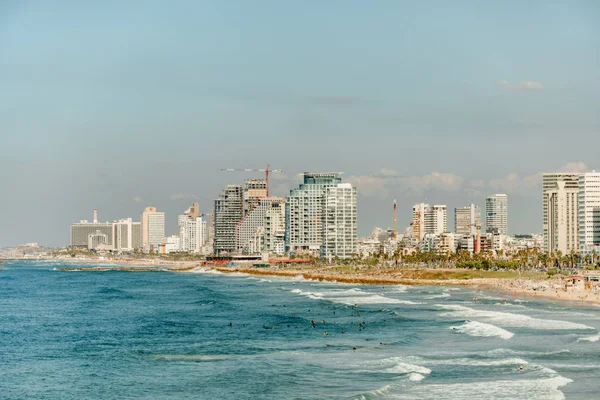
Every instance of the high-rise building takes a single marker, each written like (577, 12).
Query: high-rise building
(263, 228)
(153, 227)
(467, 220)
(496, 213)
(304, 212)
(193, 230)
(560, 192)
(126, 235)
(339, 221)
(589, 213)
(229, 210)
(96, 240)
(418, 220)
(429, 220)
(436, 220)
(80, 231)
(254, 191)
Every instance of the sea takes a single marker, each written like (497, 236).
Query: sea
(208, 335)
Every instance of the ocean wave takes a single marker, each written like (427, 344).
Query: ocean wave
(404, 368)
(509, 319)
(531, 389)
(195, 357)
(593, 338)
(415, 377)
(500, 352)
(204, 270)
(352, 297)
(477, 362)
(438, 296)
(474, 328)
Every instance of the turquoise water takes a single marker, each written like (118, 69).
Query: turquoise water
(161, 335)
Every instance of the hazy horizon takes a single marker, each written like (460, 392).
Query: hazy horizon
(120, 106)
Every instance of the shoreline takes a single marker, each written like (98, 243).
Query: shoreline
(510, 287)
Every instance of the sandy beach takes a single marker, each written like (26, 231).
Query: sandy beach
(554, 288)
(508, 285)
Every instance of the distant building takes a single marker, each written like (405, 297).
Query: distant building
(95, 240)
(304, 212)
(560, 192)
(229, 210)
(589, 213)
(153, 227)
(126, 235)
(171, 244)
(467, 220)
(254, 191)
(193, 230)
(339, 221)
(496, 213)
(81, 231)
(429, 220)
(263, 229)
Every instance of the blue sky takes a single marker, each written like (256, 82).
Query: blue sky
(119, 105)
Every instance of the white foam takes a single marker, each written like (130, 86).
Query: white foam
(352, 296)
(204, 270)
(438, 296)
(509, 319)
(498, 352)
(593, 338)
(415, 377)
(477, 363)
(538, 389)
(371, 299)
(400, 288)
(474, 328)
(404, 368)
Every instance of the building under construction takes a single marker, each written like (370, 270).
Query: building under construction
(228, 213)
(234, 204)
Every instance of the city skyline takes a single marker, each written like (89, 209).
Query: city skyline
(99, 110)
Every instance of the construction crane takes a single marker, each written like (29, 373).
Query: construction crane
(267, 171)
(395, 220)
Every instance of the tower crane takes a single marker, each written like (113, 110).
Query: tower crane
(266, 170)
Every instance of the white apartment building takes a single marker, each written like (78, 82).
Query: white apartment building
(193, 231)
(304, 212)
(97, 240)
(429, 220)
(153, 227)
(339, 221)
(560, 191)
(589, 212)
(496, 213)
(126, 235)
(467, 220)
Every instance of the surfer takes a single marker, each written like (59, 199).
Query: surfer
(521, 367)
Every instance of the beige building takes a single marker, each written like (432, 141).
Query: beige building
(429, 220)
(153, 227)
(560, 201)
(467, 220)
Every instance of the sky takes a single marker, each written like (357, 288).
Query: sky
(120, 105)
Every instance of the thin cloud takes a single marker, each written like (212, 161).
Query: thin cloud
(138, 199)
(386, 180)
(523, 85)
(337, 101)
(182, 196)
(574, 167)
